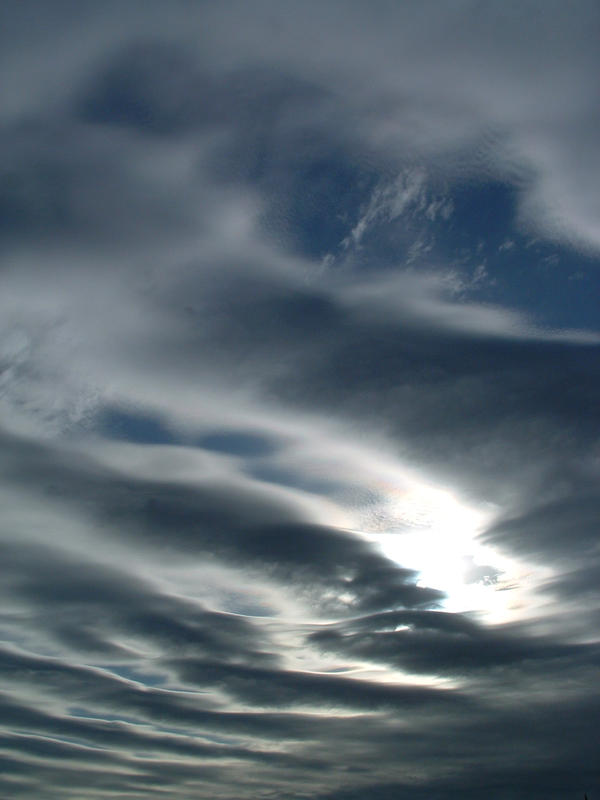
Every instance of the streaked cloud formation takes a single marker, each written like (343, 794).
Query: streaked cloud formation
(299, 391)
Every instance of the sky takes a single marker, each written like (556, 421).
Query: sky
(299, 400)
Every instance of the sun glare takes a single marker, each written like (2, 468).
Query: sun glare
(431, 530)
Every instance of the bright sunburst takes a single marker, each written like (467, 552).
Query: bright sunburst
(430, 529)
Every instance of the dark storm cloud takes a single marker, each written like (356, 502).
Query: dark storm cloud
(425, 384)
(111, 736)
(266, 273)
(85, 605)
(101, 702)
(486, 755)
(192, 730)
(562, 529)
(277, 689)
(222, 521)
(448, 644)
(129, 736)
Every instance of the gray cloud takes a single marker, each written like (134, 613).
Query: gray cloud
(428, 642)
(222, 521)
(299, 458)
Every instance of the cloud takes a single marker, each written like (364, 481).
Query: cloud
(288, 327)
(225, 522)
(442, 643)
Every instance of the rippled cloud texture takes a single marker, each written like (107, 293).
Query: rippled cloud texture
(299, 392)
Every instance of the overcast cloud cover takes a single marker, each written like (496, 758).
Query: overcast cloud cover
(299, 391)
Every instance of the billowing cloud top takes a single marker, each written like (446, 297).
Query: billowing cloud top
(299, 391)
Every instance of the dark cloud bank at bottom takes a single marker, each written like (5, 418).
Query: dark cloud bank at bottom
(188, 699)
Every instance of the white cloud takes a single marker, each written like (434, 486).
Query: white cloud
(153, 272)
